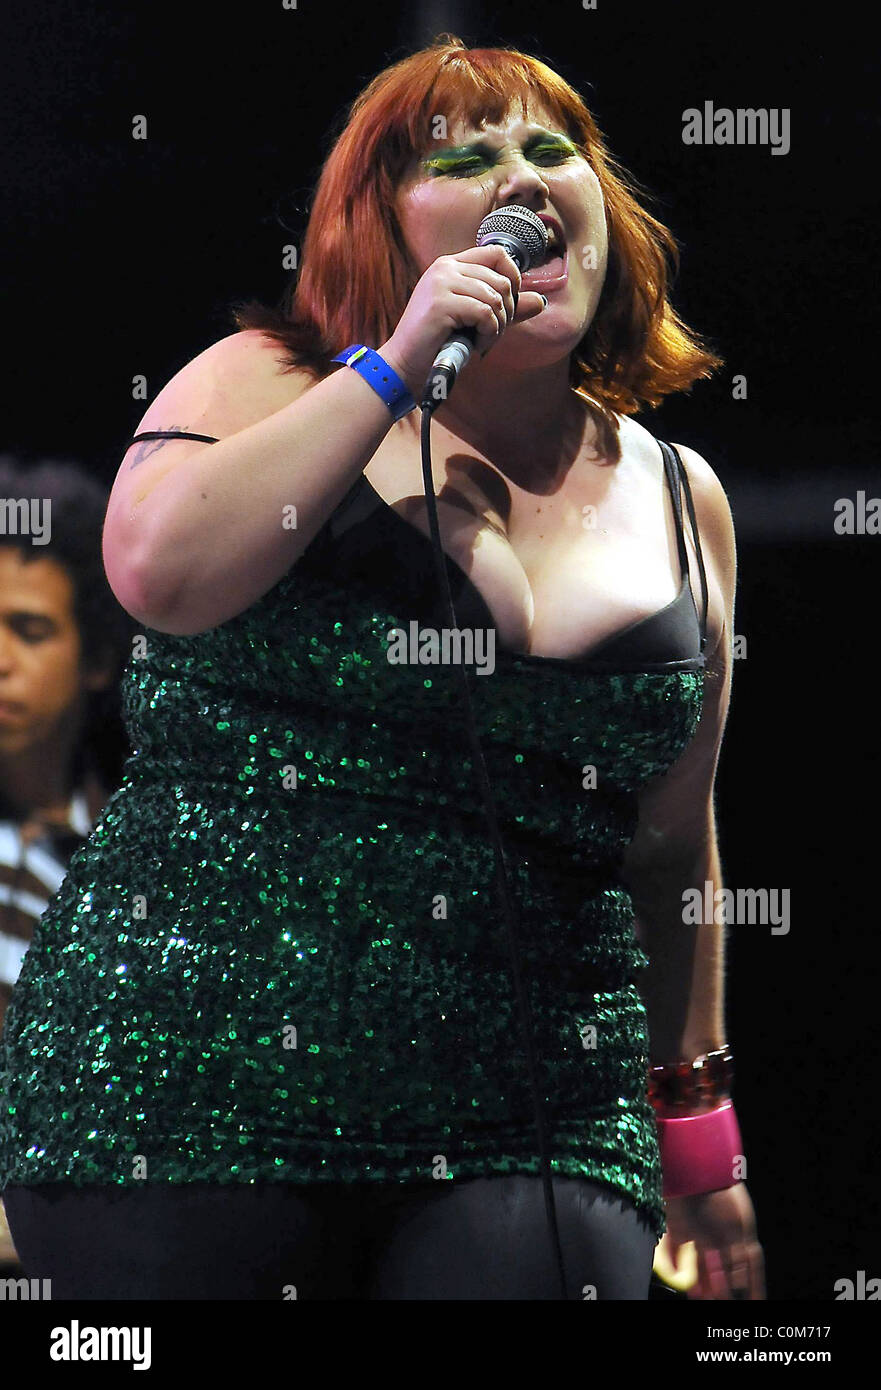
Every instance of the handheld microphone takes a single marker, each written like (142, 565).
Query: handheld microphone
(525, 237)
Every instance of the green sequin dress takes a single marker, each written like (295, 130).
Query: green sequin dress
(280, 953)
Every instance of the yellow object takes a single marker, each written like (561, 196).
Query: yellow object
(7, 1249)
(682, 1275)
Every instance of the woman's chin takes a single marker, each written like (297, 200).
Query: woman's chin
(546, 338)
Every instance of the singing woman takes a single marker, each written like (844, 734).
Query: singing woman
(266, 1037)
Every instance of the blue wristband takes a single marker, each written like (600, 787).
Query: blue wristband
(377, 372)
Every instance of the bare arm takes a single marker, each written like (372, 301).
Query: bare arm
(197, 532)
(676, 847)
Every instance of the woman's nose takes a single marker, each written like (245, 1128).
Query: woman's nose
(521, 178)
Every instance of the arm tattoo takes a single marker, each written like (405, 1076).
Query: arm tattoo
(147, 447)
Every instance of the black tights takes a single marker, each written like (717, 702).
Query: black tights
(480, 1238)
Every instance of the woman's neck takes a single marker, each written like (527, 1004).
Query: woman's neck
(529, 439)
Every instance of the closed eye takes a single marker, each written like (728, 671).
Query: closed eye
(467, 166)
(544, 154)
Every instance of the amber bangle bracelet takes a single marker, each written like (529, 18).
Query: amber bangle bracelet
(680, 1087)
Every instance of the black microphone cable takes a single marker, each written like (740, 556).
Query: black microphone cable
(435, 391)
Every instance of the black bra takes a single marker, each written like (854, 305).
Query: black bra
(365, 539)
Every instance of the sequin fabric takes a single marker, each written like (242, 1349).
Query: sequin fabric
(281, 955)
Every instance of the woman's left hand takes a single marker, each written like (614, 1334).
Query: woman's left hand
(722, 1225)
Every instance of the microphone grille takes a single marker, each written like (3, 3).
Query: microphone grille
(519, 222)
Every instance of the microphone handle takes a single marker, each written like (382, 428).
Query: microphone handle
(456, 351)
(449, 362)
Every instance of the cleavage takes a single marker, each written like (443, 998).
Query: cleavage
(475, 538)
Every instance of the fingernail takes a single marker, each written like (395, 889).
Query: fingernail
(545, 298)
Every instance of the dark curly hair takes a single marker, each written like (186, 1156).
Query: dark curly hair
(78, 507)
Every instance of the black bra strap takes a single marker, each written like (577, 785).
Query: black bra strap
(676, 499)
(682, 478)
(172, 434)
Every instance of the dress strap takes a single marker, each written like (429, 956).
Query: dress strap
(172, 434)
(678, 478)
(676, 498)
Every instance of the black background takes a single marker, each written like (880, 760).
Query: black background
(121, 256)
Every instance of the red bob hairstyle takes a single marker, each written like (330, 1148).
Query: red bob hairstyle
(355, 274)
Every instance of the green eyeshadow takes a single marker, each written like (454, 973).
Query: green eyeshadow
(464, 156)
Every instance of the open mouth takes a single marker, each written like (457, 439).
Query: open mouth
(556, 246)
(549, 267)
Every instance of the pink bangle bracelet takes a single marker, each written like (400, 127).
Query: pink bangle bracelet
(699, 1152)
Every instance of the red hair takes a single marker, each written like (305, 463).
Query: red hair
(356, 275)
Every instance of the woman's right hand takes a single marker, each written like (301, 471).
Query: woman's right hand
(476, 288)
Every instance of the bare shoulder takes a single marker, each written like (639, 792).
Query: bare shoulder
(709, 495)
(234, 383)
(714, 523)
(253, 350)
(705, 484)
(257, 370)
(713, 512)
(711, 505)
